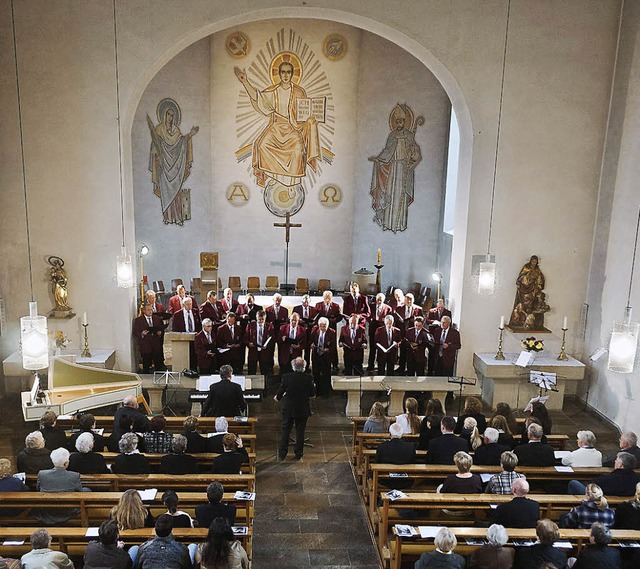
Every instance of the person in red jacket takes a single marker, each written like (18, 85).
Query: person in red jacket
(387, 340)
(353, 341)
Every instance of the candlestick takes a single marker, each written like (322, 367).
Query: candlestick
(565, 324)
(499, 354)
(501, 322)
(86, 353)
(563, 353)
(84, 319)
(378, 285)
(379, 256)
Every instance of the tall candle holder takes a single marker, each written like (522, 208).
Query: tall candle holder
(563, 353)
(500, 355)
(86, 353)
(378, 286)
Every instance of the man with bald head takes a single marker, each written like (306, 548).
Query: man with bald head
(521, 512)
(131, 411)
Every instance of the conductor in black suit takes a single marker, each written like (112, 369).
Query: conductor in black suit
(296, 390)
(535, 452)
(441, 449)
(521, 512)
(225, 398)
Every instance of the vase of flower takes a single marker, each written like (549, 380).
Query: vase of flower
(61, 341)
(532, 345)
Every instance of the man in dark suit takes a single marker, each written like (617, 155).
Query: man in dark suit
(396, 451)
(389, 337)
(621, 481)
(205, 346)
(490, 452)
(296, 390)
(435, 314)
(324, 349)
(307, 315)
(535, 453)
(261, 341)
(229, 343)
(225, 398)
(353, 341)
(131, 410)
(628, 443)
(148, 330)
(446, 346)
(355, 303)
(442, 448)
(376, 319)
(416, 341)
(215, 508)
(521, 512)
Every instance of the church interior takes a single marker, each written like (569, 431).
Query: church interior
(296, 147)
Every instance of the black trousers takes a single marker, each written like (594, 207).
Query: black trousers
(322, 372)
(287, 424)
(158, 361)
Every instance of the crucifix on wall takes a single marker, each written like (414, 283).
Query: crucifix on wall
(287, 225)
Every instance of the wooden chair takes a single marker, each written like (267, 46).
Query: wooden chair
(302, 286)
(272, 284)
(158, 286)
(253, 284)
(175, 283)
(234, 283)
(371, 289)
(415, 288)
(195, 284)
(324, 284)
(219, 285)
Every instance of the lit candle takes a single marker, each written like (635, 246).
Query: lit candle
(84, 318)
(379, 256)
(501, 322)
(564, 324)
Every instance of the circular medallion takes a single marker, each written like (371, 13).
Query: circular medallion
(237, 44)
(335, 47)
(281, 199)
(238, 194)
(330, 195)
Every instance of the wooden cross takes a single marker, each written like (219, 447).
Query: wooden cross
(287, 225)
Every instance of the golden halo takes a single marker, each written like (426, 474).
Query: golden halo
(408, 121)
(289, 57)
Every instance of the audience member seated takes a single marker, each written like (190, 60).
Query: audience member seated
(491, 451)
(628, 443)
(195, 441)
(594, 509)
(544, 551)
(377, 421)
(521, 512)
(225, 398)
(125, 426)
(131, 409)
(156, 440)
(527, 423)
(178, 462)
(215, 507)
(180, 519)
(621, 481)
(108, 552)
(87, 425)
(504, 410)
(627, 513)
(471, 434)
(409, 420)
(429, 429)
(472, 408)
(214, 442)
(505, 437)
(395, 450)
(131, 513)
(535, 452)
(163, 551)
(586, 455)
(58, 479)
(464, 481)
(130, 461)
(539, 412)
(53, 436)
(42, 556)
(442, 448)
(598, 555)
(8, 482)
(493, 555)
(443, 556)
(34, 457)
(502, 483)
(86, 461)
(221, 550)
(233, 457)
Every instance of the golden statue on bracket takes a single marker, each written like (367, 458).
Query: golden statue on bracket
(530, 303)
(59, 281)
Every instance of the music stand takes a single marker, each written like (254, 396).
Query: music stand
(461, 381)
(167, 378)
(544, 380)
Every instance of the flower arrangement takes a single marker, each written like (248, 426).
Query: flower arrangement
(60, 339)
(532, 345)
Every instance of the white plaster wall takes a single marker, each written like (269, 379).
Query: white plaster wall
(388, 76)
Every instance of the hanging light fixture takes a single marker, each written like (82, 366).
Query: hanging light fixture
(124, 264)
(437, 277)
(487, 272)
(624, 336)
(33, 328)
(143, 252)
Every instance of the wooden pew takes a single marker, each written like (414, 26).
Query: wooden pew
(408, 549)
(204, 459)
(73, 541)
(174, 424)
(94, 507)
(179, 483)
(428, 503)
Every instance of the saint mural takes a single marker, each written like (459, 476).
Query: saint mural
(392, 184)
(170, 161)
(279, 124)
(530, 302)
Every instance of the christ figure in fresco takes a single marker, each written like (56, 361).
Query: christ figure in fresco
(286, 146)
(393, 171)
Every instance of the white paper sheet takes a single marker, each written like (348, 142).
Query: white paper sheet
(564, 469)
(429, 531)
(148, 494)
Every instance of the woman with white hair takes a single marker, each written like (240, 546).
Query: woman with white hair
(586, 455)
(34, 457)
(493, 555)
(443, 556)
(214, 442)
(130, 461)
(86, 461)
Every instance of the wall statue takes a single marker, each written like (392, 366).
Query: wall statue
(59, 281)
(530, 303)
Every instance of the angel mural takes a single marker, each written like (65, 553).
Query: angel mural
(392, 184)
(170, 161)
